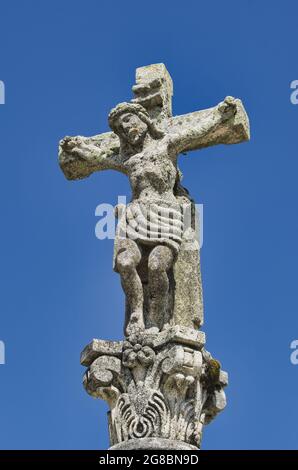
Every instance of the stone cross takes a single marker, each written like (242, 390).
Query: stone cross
(154, 90)
(161, 384)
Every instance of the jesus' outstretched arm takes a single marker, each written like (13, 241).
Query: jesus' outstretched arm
(81, 156)
(226, 123)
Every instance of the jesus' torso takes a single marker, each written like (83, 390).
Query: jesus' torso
(152, 173)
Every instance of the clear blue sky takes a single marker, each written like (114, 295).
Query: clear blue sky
(65, 64)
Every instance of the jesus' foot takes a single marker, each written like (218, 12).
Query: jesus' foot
(153, 330)
(135, 324)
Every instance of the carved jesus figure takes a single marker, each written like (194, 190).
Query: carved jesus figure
(148, 156)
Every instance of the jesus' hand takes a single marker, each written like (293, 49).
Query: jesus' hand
(228, 107)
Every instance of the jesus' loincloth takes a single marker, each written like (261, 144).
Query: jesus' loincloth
(150, 224)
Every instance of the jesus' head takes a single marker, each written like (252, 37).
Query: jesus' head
(131, 122)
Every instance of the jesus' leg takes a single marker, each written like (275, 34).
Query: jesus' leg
(160, 261)
(127, 260)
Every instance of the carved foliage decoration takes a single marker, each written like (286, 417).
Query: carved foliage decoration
(169, 391)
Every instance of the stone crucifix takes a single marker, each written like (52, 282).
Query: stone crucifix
(145, 144)
(161, 384)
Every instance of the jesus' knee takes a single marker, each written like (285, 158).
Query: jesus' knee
(160, 260)
(125, 262)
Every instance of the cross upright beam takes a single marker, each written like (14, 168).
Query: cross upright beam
(154, 91)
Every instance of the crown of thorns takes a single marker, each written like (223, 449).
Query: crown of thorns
(138, 110)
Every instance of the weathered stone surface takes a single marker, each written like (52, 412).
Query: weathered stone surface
(188, 294)
(156, 253)
(179, 334)
(100, 347)
(161, 384)
(152, 443)
(158, 389)
(154, 91)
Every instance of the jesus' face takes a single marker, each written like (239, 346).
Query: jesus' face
(132, 128)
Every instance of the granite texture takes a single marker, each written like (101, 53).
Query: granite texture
(161, 384)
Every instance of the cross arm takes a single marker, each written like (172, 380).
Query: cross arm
(79, 156)
(226, 123)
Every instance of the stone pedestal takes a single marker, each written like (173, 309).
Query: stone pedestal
(162, 388)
